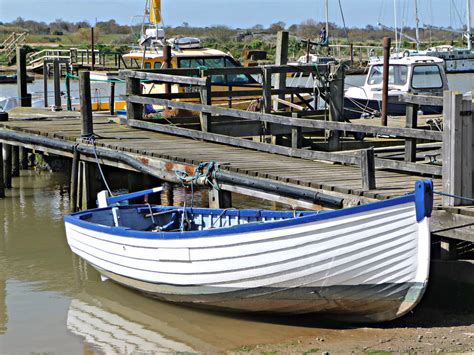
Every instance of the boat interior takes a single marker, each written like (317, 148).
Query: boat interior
(173, 219)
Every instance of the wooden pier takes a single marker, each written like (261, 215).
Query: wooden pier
(295, 158)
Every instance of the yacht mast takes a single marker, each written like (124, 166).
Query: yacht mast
(327, 18)
(417, 21)
(468, 12)
(396, 29)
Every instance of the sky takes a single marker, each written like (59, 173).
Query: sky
(241, 13)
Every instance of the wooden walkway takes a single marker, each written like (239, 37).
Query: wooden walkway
(339, 180)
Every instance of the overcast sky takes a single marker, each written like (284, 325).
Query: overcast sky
(240, 13)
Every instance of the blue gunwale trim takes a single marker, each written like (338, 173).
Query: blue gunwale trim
(422, 196)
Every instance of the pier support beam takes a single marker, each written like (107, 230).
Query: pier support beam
(45, 83)
(411, 122)
(15, 161)
(2, 180)
(167, 196)
(367, 167)
(73, 192)
(7, 165)
(24, 158)
(134, 110)
(219, 198)
(88, 185)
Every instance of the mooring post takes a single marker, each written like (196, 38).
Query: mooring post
(134, 110)
(112, 98)
(45, 83)
(57, 85)
(74, 182)
(15, 161)
(351, 53)
(7, 165)
(22, 87)
(219, 198)
(336, 103)
(167, 65)
(2, 178)
(92, 49)
(267, 90)
(68, 88)
(206, 99)
(281, 58)
(87, 127)
(367, 167)
(411, 122)
(386, 60)
(457, 148)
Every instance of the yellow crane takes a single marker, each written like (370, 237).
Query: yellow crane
(155, 11)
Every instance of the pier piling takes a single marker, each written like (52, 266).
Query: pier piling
(74, 182)
(2, 182)
(15, 161)
(24, 97)
(386, 59)
(23, 158)
(87, 128)
(57, 86)
(7, 165)
(367, 166)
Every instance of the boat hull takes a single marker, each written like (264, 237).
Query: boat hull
(368, 263)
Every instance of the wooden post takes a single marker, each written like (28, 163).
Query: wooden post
(351, 54)
(74, 182)
(167, 65)
(57, 86)
(134, 110)
(281, 58)
(22, 86)
(367, 167)
(45, 83)
(23, 158)
(15, 161)
(206, 99)
(7, 165)
(296, 136)
(68, 88)
(219, 198)
(87, 128)
(308, 47)
(336, 103)
(411, 122)
(267, 90)
(92, 47)
(167, 196)
(386, 60)
(112, 99)
(2, 177)
(457, 148)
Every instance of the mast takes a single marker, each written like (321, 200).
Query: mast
(327, 19)
(468, 13)
(417, 22)
(396, 29)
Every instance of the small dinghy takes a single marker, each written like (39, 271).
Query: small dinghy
(365, 263)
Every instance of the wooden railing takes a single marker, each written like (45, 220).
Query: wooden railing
(11, 42)
(296, 125)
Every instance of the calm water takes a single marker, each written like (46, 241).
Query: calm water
(52, 302)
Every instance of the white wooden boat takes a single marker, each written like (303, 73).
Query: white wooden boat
(365, 263)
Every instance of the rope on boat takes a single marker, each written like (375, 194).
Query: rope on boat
(206, 170)
(91, 139)
(454, 196)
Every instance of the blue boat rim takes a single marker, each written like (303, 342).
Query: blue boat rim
(422, 196)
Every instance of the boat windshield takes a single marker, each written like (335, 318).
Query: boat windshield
(217, 62)
(427, 77)
(398, 75)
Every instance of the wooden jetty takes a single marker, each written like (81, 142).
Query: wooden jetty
(269, 154)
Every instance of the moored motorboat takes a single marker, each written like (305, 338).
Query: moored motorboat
(407, 75)
(365, 263)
